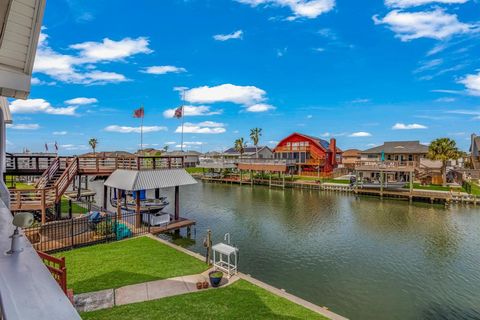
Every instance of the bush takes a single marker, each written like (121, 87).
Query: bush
(105, 228)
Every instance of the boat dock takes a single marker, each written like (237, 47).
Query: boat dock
(431, 196)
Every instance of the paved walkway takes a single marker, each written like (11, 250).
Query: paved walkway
(164, 288)
(146, 291)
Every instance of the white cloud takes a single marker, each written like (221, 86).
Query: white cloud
(170, 143)
(40, 106)
(472, 83)
(110, 50)
(247, 95)
(192, 111)
(59, 133)
(259, 107)
(310, 9)
(126, 129)
(224, 37)
(73, 147)
(163, 69)
(23, 126)
(434, 24)
(412, 126)
(81, 101)
(428, 65)
(38, 82)
(80, 67)
(415, 3)
(206, 127)
(360, 134)
(446, 99)
(361, 100)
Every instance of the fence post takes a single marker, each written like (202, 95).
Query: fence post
(71, 232)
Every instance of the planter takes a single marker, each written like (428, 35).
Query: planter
(205, 284)
(215, 278)
(199, 285)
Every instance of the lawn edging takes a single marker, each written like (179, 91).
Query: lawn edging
(278, 292)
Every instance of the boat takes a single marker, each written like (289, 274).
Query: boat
(146, 205)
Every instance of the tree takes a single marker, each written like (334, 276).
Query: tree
(240, 146)
(255, 135)
(165, 148)
(443, 149)
(93, 143)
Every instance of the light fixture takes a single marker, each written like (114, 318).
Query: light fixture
(21, 220)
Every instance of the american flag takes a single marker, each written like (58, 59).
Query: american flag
(178, 112)
(139, 113)
(46, 147)
(56, 146)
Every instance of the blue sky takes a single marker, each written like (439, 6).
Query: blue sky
(361, 71)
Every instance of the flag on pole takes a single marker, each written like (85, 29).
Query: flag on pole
(56, 146)
(178, 112)
(46, 147)
(139, 113)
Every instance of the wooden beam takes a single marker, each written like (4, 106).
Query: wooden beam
(138, 209)
(105, 191)
(119, 204)
(177, 203)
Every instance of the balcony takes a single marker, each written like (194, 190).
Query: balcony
(396, 166)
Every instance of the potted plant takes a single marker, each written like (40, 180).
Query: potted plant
(199, 285)
(215, 278)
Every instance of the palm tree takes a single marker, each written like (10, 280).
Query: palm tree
(255, 135)
(240, 146)
(443, 149)
(93, 143)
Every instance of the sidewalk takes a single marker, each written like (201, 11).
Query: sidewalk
(146, 291)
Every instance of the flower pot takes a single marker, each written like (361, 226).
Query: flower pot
(199, 285)
(215, 278)
(205, 284)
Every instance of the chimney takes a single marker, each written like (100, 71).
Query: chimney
(333, 149)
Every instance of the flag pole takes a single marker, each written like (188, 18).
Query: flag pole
(141, 132)
(183, 105)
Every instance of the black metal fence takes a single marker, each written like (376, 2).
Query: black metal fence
(86, 230)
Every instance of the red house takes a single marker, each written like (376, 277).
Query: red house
(309, 153)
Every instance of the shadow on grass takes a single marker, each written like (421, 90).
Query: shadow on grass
(232, 302)
(110, 280)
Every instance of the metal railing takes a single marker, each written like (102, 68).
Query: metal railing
(271, 161)
(87, 230)
(376, 164)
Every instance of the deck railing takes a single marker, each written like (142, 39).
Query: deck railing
(31, 199)
(385, 165)
(267, 161)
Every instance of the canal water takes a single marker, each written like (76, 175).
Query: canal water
(364, 258)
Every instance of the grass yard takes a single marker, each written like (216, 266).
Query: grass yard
(435, 187)
(117, 264)
(241, 300)
(194, 170)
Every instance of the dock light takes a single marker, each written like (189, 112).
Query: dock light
(21, 220)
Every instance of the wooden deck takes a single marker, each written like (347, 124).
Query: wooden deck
(172, 226)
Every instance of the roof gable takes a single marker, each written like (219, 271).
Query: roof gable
(398, 147)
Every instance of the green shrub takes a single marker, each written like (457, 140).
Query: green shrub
(105, 228)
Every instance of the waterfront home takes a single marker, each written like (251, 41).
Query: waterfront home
(311, 154)
(401, 161)
(189, 158)
(350, 157)
(475, 150)
(260, 152)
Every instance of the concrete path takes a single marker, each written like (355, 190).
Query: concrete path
(164, 288)
(146, 291)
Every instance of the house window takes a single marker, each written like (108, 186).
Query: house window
(410, 157)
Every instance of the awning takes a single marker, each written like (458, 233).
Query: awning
(134, 180)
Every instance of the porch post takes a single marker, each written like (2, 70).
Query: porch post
(119, 204)
(138, 211)
(177, 203)
(105, 191)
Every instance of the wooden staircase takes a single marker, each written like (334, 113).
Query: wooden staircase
(48, 189)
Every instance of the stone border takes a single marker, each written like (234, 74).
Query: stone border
(282, 293)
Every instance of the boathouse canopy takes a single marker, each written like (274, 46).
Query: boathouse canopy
(135, 180)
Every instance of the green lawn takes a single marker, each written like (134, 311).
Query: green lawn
(323, 180)
(435, 187)
(194, 170)
(117, 264)
(241, 300)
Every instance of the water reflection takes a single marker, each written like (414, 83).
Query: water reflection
(362, 257)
